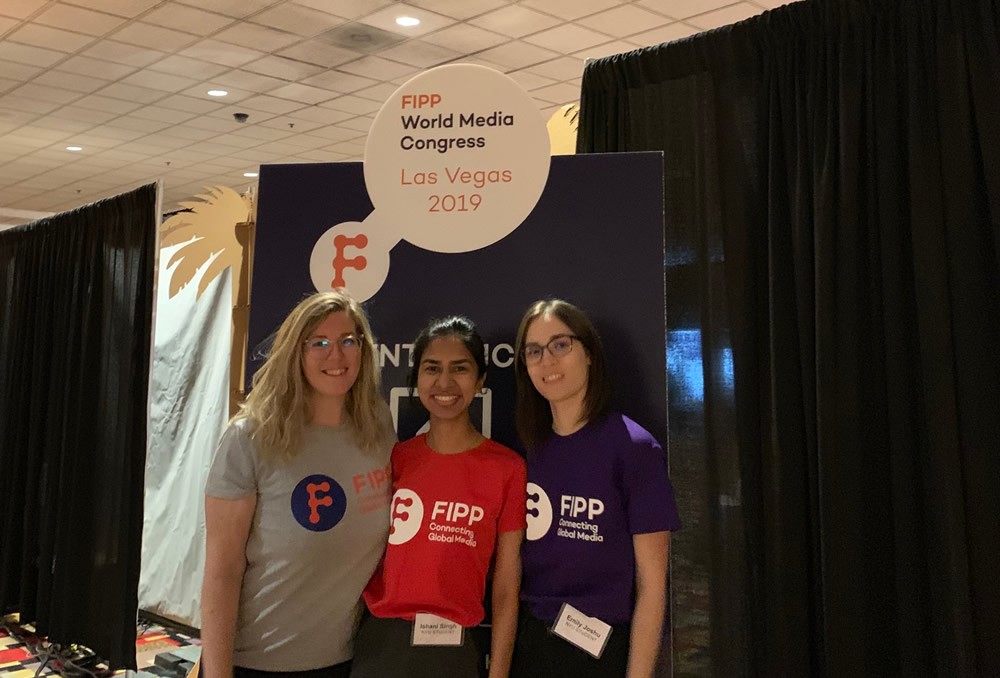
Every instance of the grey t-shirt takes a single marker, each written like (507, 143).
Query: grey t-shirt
(318, 532)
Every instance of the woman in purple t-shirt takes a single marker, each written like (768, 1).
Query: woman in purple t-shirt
(600, 511)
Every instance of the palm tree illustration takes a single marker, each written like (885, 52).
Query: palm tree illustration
(218, 231)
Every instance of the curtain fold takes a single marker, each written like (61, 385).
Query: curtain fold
(76, 293)
(833, 276)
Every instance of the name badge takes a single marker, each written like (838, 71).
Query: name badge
(430, 629)
(589, 634)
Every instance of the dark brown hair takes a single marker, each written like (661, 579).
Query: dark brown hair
(532, 413)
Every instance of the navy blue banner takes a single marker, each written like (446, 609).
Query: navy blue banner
(595, 238)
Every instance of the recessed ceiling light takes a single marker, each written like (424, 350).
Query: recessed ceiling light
(217, 92)
(249, 174)
(407, 21)
(74, 148)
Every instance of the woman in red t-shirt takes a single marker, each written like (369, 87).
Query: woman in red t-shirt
(459, 500)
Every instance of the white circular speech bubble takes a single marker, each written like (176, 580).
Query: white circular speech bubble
(457, 158)
(352, 255)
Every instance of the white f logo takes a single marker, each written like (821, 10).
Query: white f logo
(406, 516)
(539, 512)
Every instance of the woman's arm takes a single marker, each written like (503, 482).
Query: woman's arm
(506, 589)
(227, 526)
(651, 561)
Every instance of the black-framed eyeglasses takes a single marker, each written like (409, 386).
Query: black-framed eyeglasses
(557, 346)
(321, 346)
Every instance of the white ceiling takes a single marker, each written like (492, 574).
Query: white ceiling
(127, 80)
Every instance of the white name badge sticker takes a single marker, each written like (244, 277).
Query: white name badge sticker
(589, 634)
(430, 629)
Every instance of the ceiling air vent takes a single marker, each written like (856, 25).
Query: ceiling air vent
(360, 37)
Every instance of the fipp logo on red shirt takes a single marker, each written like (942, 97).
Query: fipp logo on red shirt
(405, 517)
(318, 503)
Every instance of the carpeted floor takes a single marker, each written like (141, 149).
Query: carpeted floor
(159, 651)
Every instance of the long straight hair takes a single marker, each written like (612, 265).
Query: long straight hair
(532, 412)
(279, 406)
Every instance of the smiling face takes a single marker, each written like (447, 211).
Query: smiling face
(563, 379)
(331, 361)
(448, 378)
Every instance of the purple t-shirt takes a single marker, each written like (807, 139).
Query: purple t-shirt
(588, 493)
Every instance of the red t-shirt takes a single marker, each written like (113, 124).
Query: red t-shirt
(447, 511)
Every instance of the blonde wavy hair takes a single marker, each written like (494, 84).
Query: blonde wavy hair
(278, 406)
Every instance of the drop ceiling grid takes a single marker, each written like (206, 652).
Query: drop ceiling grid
(126, 79)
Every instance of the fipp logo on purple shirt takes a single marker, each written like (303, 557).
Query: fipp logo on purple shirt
(318, 503)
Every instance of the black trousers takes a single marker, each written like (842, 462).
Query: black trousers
(382, 649)
(538, 653)
(342, 670)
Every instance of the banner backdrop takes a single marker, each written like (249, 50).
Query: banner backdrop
(595, 238)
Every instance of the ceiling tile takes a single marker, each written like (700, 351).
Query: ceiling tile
(280, 67)
(380, 92)
(725, 16)
(420, 53)
(219, 52)
(187, 19)
(560, 93)
(624, 20)
(529, 80)
(84, 114)
(334, 133)
(132, 93)
(322, 115)
(70, 81)
(190, 104)
(21, 9)
(350, 9)
(158, 112)
(188, 133)
(7, 23)
(515, 21)
(97, 68)
(29, 55)
(33, 90)
(112, 132)
(774, 4)
(270, 104)
(297, 19)
(19, 103)
(121, 53)
(108, 104)
(517, 54)
(303, 93)
(78, 19)
(385, 19)
(361, 124)
(567, 38)
(234, 8)
(605, 50)
(251, 82)
(54, 121)
(681, 9)
(188, 67)
(459, 9)
(18, 71)
(663, 34)
(353, 104)
(465, 39)
(147, 35)
(50, 38)
(125, 8)
(296, 123)
(319, 53)
(563, 68)
(257, 37)
(338, 81)
(378, 68)
(140, 124)
(159, 81)
(571, 9)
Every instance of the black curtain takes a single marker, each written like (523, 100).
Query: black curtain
(76, 291)
(833, 302)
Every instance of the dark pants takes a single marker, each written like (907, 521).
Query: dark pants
(342, 670)
(382, 649)
(538, 653)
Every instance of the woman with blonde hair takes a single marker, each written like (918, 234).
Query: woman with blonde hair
(296, 506)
